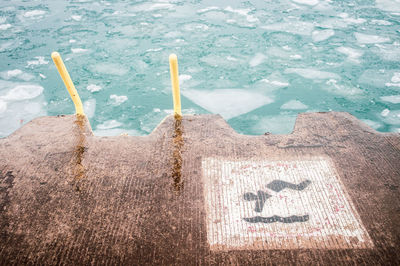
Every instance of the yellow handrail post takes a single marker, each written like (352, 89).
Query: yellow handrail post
(173, 66)
(68, 82)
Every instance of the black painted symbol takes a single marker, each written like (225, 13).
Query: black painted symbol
(261, 197)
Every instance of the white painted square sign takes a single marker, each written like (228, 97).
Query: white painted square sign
(294, 204)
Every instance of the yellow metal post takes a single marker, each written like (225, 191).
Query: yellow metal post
(68, 82)
(173, 66)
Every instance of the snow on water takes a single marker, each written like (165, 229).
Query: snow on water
(228, 103)
(314, 74)
(322, 35)
(370, 39)
(391, 99)
(294, 105)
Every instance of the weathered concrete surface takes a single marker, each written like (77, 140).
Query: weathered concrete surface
(68, 197)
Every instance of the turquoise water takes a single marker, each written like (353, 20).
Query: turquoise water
(257, 63)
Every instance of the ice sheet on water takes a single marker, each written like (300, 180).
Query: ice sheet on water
(5, 26)
(243, 12)
(257, 60)
(353, 55)
(16, 73)
(294, 27)
(228, 103)
(3, 106)
(76, 17)
(306, 2)
(310, 73)
(388, 5)
(388, 52)
(370, 39)
(219, 61)
(78, 50)
(294, 105)
(207, 9)
(89, 107)
(117, 100)
(40, 60)
(373, 124)
(34, 14)
(272, 82)
(109, 124)
(278, 124)
(346, 90)
(392, 118)
(381, 22)
(391, 98)
(380, 78)
(321, 35)
(23, 92)
(109, 68)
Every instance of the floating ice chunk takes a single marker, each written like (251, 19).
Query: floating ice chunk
(10, 74)
(353, 54)
(89, 107)
(279, 124)
(228, 103)
(2, 20)
(76, 17)
(392, 118)
(195, 27)
(184, 77)
(42, 76)
(109, 124)
(23, 92)
(307, 2)
(158, 6)
(242, 12)
(93, 88)
(321, 35)
(156, 110)
(385, 112)
(219, 61)
(333, 23)
(5, 26)
(381, 22)
(295, 27)
(340, 89)
(294, 105)
(117, 100)
(207, 9)
(78, 50)
(296, 56)
(110, 68)
(273, 81)
(257, 60)
(39, 61)
(32, 108)
(391, 99)
(388, 5)
(388, 52)
(72, 41)
(375, 125)
(368, 39)
(310, 73)
(34, 13)
(3, 106)
(396, 77)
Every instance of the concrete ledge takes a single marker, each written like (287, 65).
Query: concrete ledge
(196, 192)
